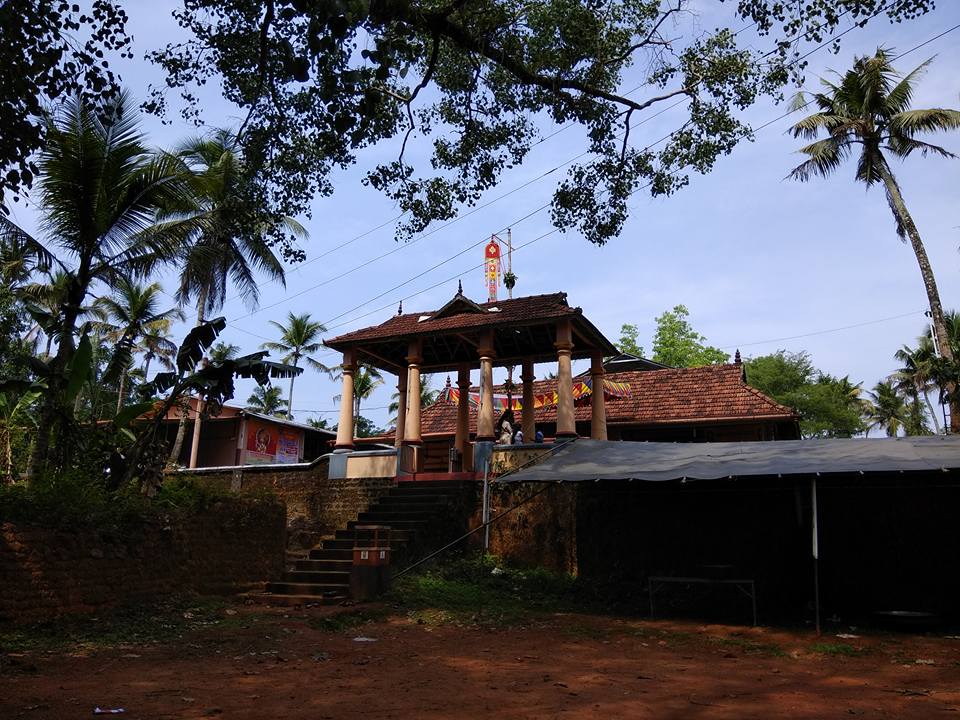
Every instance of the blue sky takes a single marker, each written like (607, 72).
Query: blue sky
(757, 259)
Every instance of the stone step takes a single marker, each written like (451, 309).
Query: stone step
(396, 536)
(346, 545)
(315, 589)
(394, 505)
(395, 524)
(437, 478)
(290, 600)
(318, 577)
(333, 553)
(324, 565)
(427, 488)
(390, 517)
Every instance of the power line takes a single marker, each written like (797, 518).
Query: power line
(458, 275)
(824, 332)
(489, 203)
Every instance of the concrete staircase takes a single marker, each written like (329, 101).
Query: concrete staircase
(417, 512)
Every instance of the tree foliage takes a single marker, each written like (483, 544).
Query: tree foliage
(828, 406)
(677, 344)
(50, 50)
(320, 81)
(866, 114)
(628, 340)
(268, 401)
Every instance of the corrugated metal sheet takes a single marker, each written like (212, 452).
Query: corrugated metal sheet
(585, 460)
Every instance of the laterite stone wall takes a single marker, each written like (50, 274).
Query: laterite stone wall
(316, 505)
(46, 572)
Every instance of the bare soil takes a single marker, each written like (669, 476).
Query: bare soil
(289, 664)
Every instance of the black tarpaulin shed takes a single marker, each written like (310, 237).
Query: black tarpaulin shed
(585, 460)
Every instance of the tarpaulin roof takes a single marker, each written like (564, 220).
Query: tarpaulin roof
(584, 460)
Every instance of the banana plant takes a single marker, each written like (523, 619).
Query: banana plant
(211, 382)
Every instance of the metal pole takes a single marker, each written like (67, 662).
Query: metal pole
(510, 259)
(816, 553)
(486, 506)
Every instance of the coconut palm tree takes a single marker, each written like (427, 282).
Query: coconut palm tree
(223, 351)
(267, 401)
(916, 376)
(886, 409)
(132, 315)
(867, 114)
(155, 344)
(227, 240)
(99, 189)
(299, 339)
(428, 396)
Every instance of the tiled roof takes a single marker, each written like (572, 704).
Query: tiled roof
(657, 397)
(519, 310)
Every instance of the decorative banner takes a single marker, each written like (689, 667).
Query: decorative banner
(261, 442)
(288, 447)
(491, 268)
(581, 389)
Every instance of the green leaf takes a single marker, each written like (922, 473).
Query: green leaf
(197, 341)
(81, 368)
(131, 412)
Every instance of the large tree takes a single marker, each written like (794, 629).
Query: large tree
(866, 114)
(50, 50)
(828, 406)
(677, 344)
(319, 81)
(99, 190)
(226, 235)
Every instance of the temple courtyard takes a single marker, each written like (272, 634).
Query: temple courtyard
(210, 659)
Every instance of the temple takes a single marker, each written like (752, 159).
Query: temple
(464, 335)
(644, 400)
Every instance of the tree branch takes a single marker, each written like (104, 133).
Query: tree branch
(268, 17)
(424, 81)
(552, 83)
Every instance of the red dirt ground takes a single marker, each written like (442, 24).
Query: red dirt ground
(569, 666)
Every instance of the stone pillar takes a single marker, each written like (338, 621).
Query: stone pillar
(401, 408)
(485, 417)
(598, 404)
(566, 422)
(527, 424)
(195, 441)
(411, 430)
(345, 424)
(463, 412)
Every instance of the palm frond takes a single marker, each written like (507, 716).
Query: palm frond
(825, 157)
(903, 146)
(900, 96)
(910, 122)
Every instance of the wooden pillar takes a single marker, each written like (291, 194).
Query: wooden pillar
(598, 404)
(411, 430)
(566, 422)
(528, 425)
(463, 411)
(401, 408)
(345, 424)
(485, 416)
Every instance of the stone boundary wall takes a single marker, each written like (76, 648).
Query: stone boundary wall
(317, 505)
(540, 533)
(47, 572)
